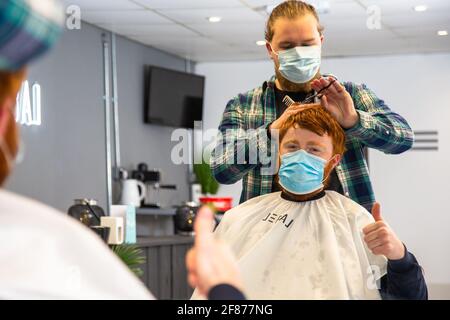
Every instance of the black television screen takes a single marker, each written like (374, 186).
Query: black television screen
(173, 98)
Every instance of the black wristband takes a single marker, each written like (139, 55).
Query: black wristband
(225, 292)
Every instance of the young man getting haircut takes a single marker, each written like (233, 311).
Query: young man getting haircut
(306, 242)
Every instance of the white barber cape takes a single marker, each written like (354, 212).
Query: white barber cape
(303, 250)
(45, 254)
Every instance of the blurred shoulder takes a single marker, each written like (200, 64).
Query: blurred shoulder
(19, 214)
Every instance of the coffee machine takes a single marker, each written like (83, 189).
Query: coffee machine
(152, 179)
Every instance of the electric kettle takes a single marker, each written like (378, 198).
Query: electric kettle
(133, 192)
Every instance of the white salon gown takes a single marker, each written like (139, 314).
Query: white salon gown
(302, 250)
(45, 254)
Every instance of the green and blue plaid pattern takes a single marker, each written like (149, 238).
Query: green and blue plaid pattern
(28, 28)
(378, 128)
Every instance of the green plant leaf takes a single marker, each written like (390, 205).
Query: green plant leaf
(205, 178)
(131, 255)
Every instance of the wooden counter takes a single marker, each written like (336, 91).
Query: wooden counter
(165, 271)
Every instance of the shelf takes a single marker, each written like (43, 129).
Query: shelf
(156, 211)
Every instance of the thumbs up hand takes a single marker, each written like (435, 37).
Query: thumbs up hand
(381, 239)
(210, 262)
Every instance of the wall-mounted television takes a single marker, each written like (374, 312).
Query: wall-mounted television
(172, 98)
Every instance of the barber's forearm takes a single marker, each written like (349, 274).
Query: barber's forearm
(239, 152)
(384, 131)
(226, 171)
(378, 126)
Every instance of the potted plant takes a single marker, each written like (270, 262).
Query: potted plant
(209, 187)
(205, 178)
(131, 255)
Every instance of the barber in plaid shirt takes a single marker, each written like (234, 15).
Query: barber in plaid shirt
(294, 36)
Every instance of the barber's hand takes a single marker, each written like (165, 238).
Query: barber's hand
(210, 262)
(337, 101)
(380, 238)
(293, 109)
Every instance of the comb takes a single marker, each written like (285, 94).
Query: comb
(288, 101)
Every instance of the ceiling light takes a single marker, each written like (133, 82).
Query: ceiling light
(214, 19)
(420, 8)
(442, 33)
(261, 42)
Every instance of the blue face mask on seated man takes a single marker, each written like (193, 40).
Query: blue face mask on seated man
(301, 172)
(299, 64)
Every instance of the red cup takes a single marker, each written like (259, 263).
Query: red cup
(221, 204)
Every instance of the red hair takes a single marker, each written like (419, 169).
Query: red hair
(10, 83)
(317, 119)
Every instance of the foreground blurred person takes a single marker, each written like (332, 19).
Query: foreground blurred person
(44, 254)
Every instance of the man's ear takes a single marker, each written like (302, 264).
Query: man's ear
(278, 162)
(5, 114)
(336, 159)
(269, 50)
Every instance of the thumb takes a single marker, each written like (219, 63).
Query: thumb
(324, 102)
(376, 212)
(203, 226)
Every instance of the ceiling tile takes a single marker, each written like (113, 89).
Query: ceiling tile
(180, 27)
(188, 4)
(242, 28)
(428, 20)
(261, 3)
(193, 16)
(421, 32)
(240, 40)
(343, 10)
(123, 17)
(188, 47)
(103, 4)
(334, 26)
(157, 30)
(406, 6)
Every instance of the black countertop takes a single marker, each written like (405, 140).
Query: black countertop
(165, 240)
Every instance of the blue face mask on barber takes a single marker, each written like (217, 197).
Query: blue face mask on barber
(301, 172)
(299, 64)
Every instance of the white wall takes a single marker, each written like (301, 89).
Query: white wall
(411, 187)
(65, 156)
(224, 81)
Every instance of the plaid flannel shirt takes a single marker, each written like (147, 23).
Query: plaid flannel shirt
(28, 28)
(378, 128)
